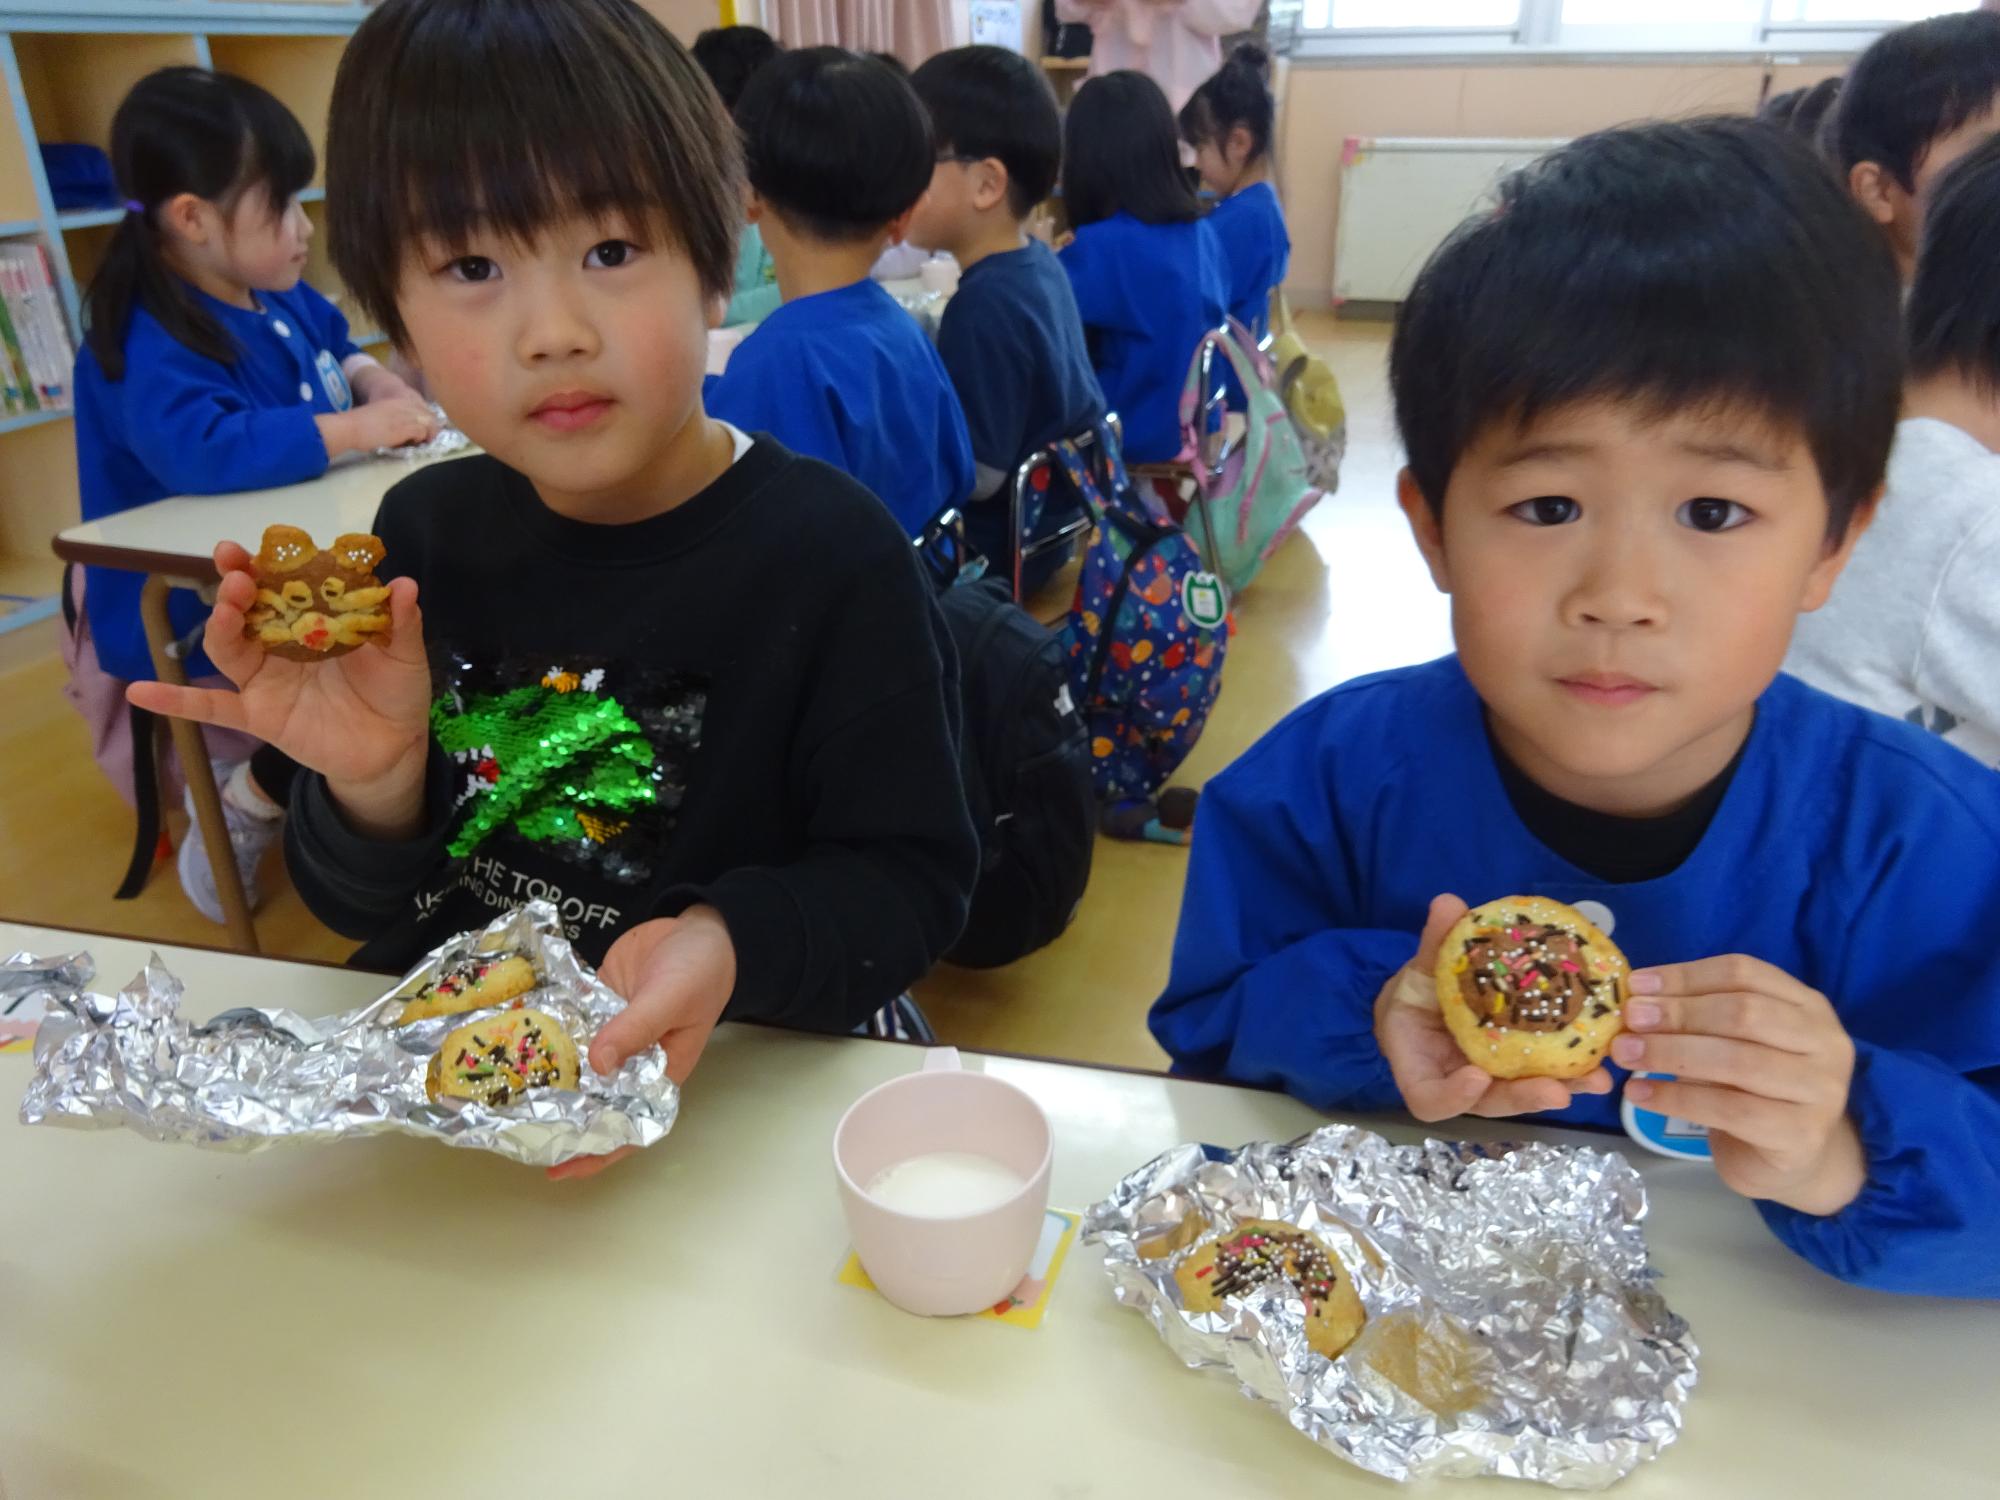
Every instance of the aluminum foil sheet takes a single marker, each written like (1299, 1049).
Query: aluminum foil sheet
(448, 440)
(1513, 1327)
(253, 1077)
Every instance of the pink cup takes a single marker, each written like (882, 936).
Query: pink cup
(941, 1267)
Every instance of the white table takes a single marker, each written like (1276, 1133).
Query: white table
(173, 542)
(178, 1323)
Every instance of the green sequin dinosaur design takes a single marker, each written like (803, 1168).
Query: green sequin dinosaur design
(563, 765)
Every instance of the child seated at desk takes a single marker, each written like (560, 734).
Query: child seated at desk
(839, 152)
(210, 366)
(688, 685)
(1647, 404)
(1010, 337)
(1145, 265)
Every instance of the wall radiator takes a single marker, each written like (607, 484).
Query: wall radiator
(1400, 196)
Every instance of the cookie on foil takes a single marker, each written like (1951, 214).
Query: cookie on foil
(496, 1061)
(312, 603)
(1260, 1251)
(473, 983)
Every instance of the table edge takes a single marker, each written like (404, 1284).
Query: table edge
(194, 567)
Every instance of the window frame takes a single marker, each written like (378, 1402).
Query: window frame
(1540, 35)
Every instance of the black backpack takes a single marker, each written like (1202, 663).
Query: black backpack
(1061, 38)
(1026, 763)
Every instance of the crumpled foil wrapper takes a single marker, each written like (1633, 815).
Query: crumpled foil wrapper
(1513, 1327)
(252, 1077)
(448, 440)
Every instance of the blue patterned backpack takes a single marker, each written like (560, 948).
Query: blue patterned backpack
(1146, 636)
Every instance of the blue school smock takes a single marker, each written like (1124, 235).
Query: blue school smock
(848, 377)
(1256, 250)
(180, 423)
(1146, 293)
(1013, 345)
(1856, 853)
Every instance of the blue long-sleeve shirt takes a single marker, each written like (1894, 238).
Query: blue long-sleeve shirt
(180, 423)
(849, 378)
(1146, 293)
(1852, 851)
(1256, 252)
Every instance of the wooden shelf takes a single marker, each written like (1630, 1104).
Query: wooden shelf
(1066, 64)
(75, 82)
(33, 419)
(297, 69)
(89, 218)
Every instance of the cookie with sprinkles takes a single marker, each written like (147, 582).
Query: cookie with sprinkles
(472, 983)
(496, 1061)
(1260, 1251)
(1530, 988)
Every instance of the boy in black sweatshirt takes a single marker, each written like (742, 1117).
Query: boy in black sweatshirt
(681, 682)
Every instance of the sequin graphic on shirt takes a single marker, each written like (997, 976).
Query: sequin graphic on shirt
(583, 759)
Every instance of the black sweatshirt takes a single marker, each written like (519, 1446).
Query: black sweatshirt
(749, 701)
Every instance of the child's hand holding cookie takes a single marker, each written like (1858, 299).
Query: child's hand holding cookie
(676, 974)
(361, 719)
(1434, 1075)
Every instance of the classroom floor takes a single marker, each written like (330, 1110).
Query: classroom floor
(1349, 595)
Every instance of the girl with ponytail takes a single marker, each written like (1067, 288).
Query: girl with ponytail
(1228, 121)
(208, 366)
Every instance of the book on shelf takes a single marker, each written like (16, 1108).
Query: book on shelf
(29, 292)
(17, 387)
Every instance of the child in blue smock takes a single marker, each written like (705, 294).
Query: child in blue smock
(1644, 434)
(1228, 123)
(1145, 265)
(839, 151)
(209, 367)
(730, 56)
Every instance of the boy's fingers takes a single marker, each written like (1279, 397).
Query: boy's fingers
(1522, 1096)
(406, 624)
(587, 1166)
(232, 557)
(201, 705)
(1445, 911)
(1746, 1066)
(1754, 1121)
(1740, 1015)
(1728, 973)
(646, 1017)
(1434, 1099)
(1596, 1081)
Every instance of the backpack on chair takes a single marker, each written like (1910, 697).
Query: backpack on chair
(1252, 496)
(1024, 760)
(1147, 634)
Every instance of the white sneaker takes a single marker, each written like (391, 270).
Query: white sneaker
(250, 839)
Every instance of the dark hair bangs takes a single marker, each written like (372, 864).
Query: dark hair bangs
(463, 117)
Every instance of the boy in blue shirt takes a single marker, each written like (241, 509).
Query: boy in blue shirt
(839, 152)
(1647, 405)
(1010, 338)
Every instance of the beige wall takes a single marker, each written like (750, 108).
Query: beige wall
(684, 18)
(1323, 106)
